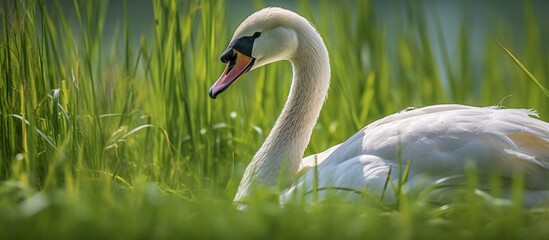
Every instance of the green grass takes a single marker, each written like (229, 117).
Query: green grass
(99, 138)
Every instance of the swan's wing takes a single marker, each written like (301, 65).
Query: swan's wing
(315, 159)
(442, 135)
(438, 141)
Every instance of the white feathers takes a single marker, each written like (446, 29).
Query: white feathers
(439, 141)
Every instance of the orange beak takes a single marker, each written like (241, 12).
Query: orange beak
(236, 67)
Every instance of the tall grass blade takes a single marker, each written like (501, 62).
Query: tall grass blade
(525, 70)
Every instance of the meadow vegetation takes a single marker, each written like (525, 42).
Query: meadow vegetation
(118, 138)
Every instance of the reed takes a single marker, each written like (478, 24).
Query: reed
(116, 137)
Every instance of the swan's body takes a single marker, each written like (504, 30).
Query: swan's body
(438, 140)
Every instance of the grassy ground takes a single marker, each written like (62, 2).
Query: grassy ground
(105, 139)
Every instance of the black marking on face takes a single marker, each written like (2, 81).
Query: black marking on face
(244, 45)
(228, 55)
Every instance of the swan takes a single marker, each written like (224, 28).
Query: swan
(436, 141)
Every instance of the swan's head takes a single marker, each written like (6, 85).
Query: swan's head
(266, 36)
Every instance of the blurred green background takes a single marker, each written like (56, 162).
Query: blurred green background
(107, 129)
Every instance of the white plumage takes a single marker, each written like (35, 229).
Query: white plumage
(438, 141)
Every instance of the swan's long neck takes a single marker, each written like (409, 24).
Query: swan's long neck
(279, 157)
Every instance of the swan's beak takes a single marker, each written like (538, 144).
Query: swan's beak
(238, 65)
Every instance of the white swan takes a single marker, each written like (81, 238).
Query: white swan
(437, 140)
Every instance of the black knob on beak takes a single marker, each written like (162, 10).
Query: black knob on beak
(227, 55)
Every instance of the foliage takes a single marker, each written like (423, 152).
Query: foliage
(118, 137)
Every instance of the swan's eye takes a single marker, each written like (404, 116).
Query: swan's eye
(256, 34)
